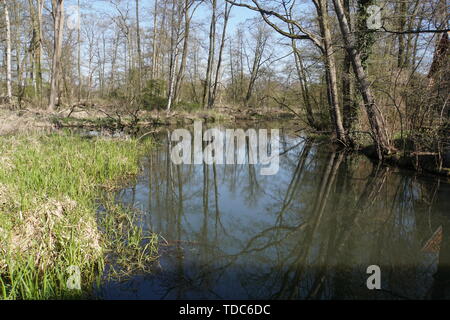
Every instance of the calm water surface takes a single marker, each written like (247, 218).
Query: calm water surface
(308, 232)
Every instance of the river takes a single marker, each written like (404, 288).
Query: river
(308, 232)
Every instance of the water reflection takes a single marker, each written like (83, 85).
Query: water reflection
(309, 232)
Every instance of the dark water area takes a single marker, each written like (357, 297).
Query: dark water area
(308, 232)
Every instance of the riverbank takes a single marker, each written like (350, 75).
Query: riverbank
(92, 117)
(50, 185)
(421, 162)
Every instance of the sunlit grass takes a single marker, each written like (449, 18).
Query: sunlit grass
(49, 187)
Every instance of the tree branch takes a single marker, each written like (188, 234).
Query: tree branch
(415, 31)
(265, 14)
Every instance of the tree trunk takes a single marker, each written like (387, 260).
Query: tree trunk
(187, 27)
(114, 61)
(330, 66)
(262, 39)
(350, 109)
(39, 83)
(219, 62)
(138, 40)
(212, 42)
(58, 15)
(8, 53)
(402, 12)
(154, 37)
(349, 104)
(254, 73)
(376, 119)
(233, 77)
(36, 46)
(173, 54)
(365, 38)
(79, 54)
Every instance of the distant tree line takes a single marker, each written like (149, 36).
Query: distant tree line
(367, 67)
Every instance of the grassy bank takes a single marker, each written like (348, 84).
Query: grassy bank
(49, 187)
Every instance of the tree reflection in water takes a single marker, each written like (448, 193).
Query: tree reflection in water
(309, 232)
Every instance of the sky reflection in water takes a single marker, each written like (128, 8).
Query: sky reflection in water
(308, 232)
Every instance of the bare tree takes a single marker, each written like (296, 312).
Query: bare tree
(322, 42)
(79, 54)
(36, 8)
(175, 26)
(211, 52)
(226, 17)
(330, 68)
(58, 18)
(8, 52)
(301, 71)
(350, 107)
(185, 51)
(138, 41)
(154, 42)
(257, 61)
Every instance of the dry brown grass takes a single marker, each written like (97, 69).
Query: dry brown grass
(23, 121)
(39, 233)
(48, 208)
(42, 232)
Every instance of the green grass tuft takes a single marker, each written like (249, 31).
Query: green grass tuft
(49, 191)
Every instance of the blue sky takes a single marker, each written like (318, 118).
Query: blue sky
(203, 13)
(238, 15)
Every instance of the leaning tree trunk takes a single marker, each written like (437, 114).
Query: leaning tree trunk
(255, 70)
(58, 14)
(374, 114)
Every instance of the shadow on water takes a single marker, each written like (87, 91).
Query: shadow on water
(308, 232)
